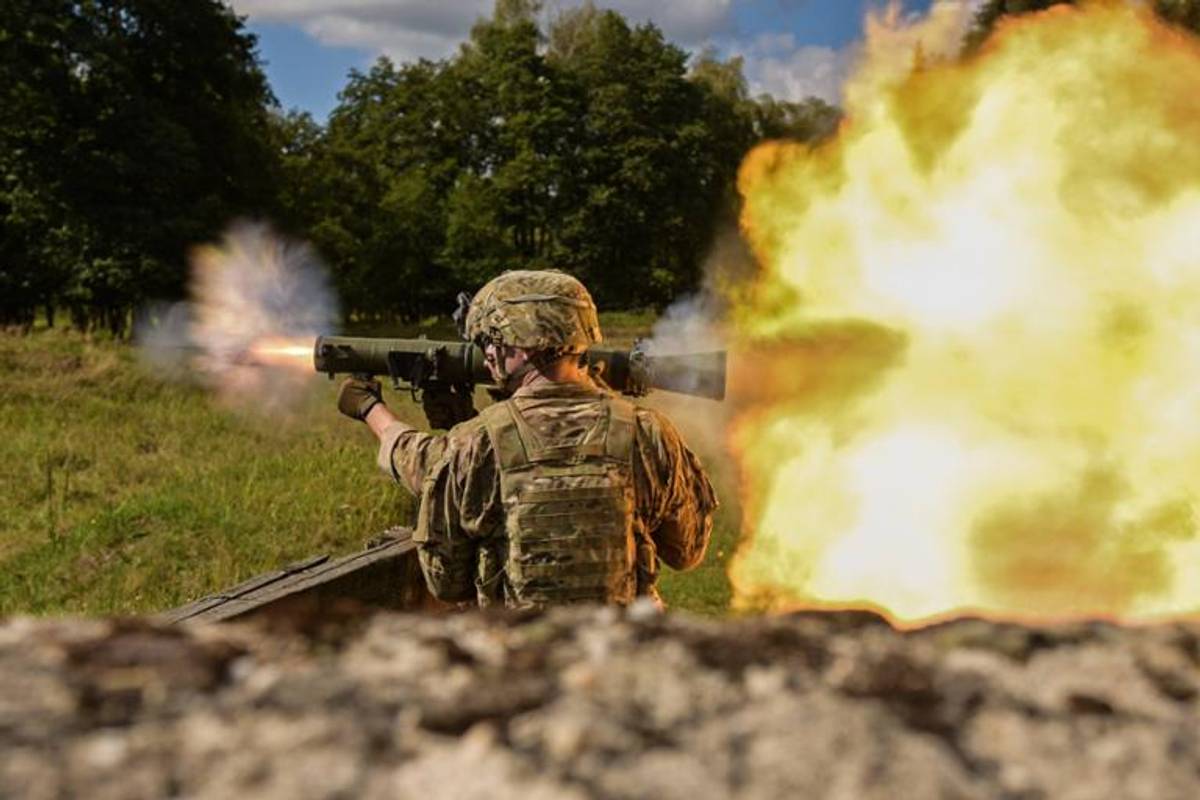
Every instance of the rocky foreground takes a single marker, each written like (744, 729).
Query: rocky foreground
(592, 703)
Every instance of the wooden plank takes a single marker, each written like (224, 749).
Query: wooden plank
(385, 575)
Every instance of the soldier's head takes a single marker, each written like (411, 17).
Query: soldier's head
(525, 320)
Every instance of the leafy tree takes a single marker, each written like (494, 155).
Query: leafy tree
(139, 127)
(477, 245)
(991, 11)
(728, 110)
(29, 276)
(532, 114)
(393, 151)
(299, 142)
(1184, 13)
(642, 183)
(809, 120)
(571, 30)
(33, 78)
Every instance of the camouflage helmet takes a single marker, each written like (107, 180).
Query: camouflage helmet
(536, 310)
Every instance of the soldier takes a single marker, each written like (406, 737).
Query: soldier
(561, 493)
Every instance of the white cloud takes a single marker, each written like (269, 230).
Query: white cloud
(410, 29)
(431, 16)
(403, 29)
(398, 41)
(778, 65)
(686, 22)
(775, 64)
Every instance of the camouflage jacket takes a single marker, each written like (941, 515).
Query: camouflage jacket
(458, 480)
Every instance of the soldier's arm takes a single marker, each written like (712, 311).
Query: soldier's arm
(460, 509)
(675, 497)
(447, 556)
(405, 453)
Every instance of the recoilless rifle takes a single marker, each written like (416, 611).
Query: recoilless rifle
(421, 363)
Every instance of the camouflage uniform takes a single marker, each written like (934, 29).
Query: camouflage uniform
(463, 515)
(562, 493)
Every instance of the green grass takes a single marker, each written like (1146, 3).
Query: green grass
(123, 492)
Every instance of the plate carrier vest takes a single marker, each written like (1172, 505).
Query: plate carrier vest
(568, 508)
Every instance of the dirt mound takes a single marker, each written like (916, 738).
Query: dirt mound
(593, 703)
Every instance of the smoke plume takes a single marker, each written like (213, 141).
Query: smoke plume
(257, 301)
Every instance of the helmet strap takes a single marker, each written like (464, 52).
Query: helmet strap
(510, 380)
(513, 379)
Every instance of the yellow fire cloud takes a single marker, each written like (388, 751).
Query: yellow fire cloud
(978, 328)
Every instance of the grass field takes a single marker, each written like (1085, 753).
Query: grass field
(123, 492)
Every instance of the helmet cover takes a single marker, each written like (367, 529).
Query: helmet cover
(535, 310)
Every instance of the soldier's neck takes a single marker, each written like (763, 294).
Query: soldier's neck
(566, 370)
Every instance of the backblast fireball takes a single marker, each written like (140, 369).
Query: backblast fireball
(978, 328)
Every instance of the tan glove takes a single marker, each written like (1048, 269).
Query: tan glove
(357, 396)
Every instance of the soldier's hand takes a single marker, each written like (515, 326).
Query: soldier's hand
(357, 396)
(446, 404)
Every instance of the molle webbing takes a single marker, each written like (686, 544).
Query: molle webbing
(568, 503)
(517, 444)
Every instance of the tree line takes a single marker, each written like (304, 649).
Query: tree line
(133, 129)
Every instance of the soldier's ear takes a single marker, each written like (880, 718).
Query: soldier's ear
(522, 355)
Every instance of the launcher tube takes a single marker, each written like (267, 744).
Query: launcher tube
(417, 361)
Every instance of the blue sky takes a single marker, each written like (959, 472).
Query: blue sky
(792, 48)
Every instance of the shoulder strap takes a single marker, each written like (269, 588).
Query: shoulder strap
(517, 444)
(622, 429)
(500, 419)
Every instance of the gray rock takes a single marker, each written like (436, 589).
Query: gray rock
(585, 703)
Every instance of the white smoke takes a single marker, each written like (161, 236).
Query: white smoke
(698, 324)
(257, 301)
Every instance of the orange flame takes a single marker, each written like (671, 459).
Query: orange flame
(291, 353)
(981, 308)
(258, 302)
